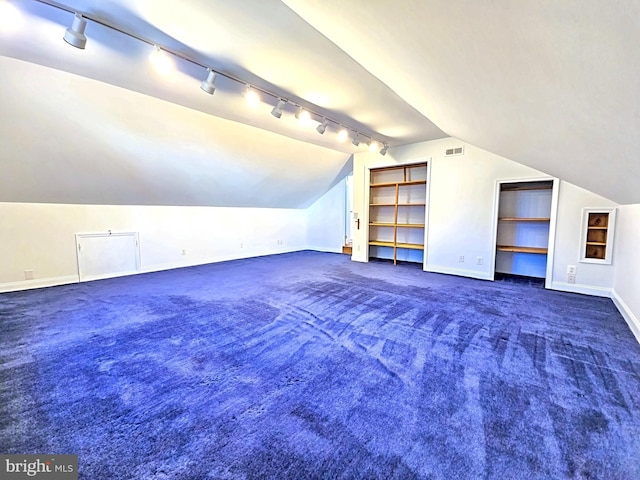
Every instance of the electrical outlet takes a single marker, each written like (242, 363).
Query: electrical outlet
(461, 258)
(479, 260)
(571, 269)
(184, 252)
(241, 245)
(28, 274)
(571, 278)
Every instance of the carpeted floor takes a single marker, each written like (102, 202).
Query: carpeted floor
(309, 366)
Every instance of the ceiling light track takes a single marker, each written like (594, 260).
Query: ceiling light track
(74, 35)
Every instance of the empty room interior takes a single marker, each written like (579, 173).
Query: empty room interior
(314, 240)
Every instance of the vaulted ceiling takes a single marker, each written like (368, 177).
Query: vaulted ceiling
(550, 84)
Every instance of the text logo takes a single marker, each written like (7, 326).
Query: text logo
(45, 467)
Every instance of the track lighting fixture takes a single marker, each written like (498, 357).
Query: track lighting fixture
(277, 110)
(207, 85)
(303, 116)
(251, 97)
(161, 61)
(383, 150)
(75, 34)
(322, 127)
(301, 113)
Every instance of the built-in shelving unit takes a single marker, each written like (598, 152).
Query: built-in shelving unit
(597, 226)
(597, 237)
(397, 203)
(524, 211)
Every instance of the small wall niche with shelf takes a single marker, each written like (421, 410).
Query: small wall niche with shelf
(397, 212)
(524, 211)
(597, 235)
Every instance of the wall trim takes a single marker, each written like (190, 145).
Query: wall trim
(324, 249)
(38, 283)
(159, 267)
(91, 278)
(627, 314)
(583, 289)
(459, 272)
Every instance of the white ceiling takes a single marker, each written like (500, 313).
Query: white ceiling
(550, 84)
(85, 142)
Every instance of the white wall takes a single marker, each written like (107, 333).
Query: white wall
(326, 217)
(41, 237)
(461, 212)
(593, 279)
(626, 258)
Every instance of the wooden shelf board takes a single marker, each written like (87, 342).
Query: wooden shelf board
(404, 225)
(509, 248)
(382, 204)
(411, 204)
(412, 246)
(400, 183)
(381, 244)
(521, 219)
(399, 167)
(597, 228)
(601, 244)
(526, 187)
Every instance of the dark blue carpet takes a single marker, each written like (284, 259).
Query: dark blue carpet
(309, 366)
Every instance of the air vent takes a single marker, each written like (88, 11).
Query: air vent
(450, 152)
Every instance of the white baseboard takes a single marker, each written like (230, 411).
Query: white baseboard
(158, 267)
(53, 281)
(38, 283)
(458, 271)
(584, 289)
(90, 278)
(627, 314)
(325, 249)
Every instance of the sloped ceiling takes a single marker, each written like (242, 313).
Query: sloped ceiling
(266, 161)
(87, 142)
(550, 84)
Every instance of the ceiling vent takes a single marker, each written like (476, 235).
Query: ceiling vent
(450, 152)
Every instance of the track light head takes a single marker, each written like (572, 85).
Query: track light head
(383, 150)
(277, 110)
(207, 85)
(356, 139)
(304, 116)
(322, 127)
(75, 34)
(251, 97)
(162, 63)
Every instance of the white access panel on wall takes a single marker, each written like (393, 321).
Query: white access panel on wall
(107, 255)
